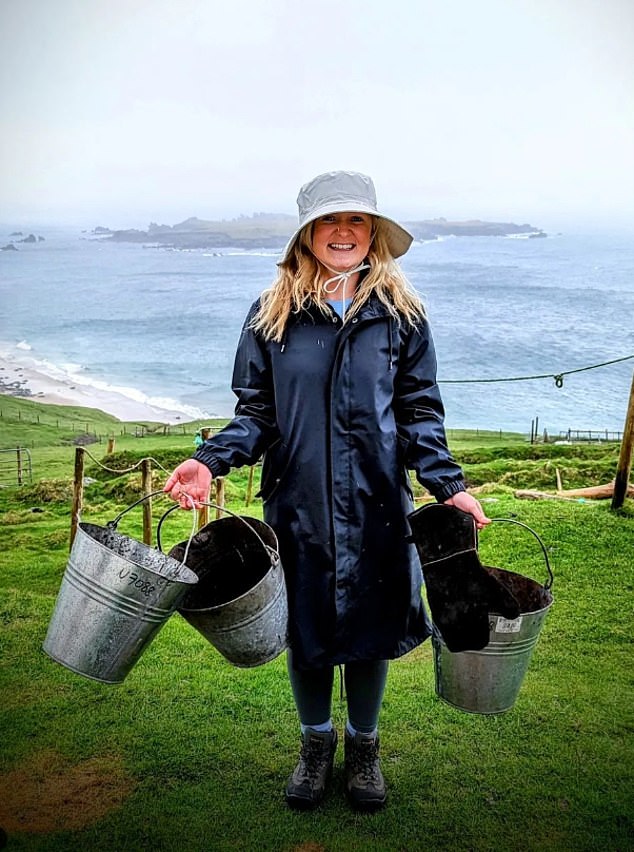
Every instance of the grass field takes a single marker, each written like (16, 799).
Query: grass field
(191, 753)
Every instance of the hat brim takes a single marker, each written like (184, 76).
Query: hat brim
(397, 237)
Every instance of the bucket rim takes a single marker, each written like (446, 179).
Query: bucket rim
(245, 519)
(544, 587)
(273, 551)
(528, 612)
(185, 574)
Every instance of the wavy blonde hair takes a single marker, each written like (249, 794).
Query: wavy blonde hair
(299, 282)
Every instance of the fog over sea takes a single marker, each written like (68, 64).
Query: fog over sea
(147, 332)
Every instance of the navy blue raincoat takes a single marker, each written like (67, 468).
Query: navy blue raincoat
(339, 412)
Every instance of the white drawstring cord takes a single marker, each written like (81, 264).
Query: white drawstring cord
(339, 279)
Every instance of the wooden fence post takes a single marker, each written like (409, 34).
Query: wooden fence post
(249, 486)
(203, 512)
(146, 486)
(78, 492)
(203, 516)
(220, 496)
(19, 468)
(111, 445)
(625, 456)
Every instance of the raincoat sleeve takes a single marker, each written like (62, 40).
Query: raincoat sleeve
(253, 427)
(420, 415)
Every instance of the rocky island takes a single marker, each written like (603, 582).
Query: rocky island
(271, 230)
(30, 239)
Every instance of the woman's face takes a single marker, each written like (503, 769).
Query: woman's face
(341, 241)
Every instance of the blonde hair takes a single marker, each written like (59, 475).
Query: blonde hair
(299, 282)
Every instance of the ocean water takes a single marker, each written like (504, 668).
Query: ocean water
(161, 326)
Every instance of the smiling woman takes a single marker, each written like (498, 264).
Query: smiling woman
(340, 407)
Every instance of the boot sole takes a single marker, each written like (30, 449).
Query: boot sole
(301, 803)
(296, 803)
(366, 805)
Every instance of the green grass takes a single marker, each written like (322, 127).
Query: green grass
(200, 751)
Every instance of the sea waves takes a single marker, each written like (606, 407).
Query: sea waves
(23, 374)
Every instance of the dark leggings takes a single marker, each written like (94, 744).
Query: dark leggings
(364, 682)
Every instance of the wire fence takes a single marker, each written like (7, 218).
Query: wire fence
(95, 430)
(598, 435)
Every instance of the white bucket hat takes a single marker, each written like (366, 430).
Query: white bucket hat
(345, 192)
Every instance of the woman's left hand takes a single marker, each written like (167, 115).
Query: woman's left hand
(466, 503)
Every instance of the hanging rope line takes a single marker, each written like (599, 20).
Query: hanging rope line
(558, 377)
(127, 469)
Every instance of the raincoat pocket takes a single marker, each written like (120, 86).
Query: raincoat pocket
(274, 468)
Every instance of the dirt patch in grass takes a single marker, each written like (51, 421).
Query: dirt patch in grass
(47, 793)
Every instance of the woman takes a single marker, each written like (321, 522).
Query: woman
(335, 375)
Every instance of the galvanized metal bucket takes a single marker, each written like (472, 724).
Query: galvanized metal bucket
(115, 596)
(488, 681)
(240, 603)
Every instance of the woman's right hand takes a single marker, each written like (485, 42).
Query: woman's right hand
(190, 481)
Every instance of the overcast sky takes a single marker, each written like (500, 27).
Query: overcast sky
(127, 111)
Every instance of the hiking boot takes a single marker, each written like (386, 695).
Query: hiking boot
(365, 784)
(307, 784)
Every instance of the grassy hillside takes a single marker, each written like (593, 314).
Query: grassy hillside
(28, 423)
(191, 753)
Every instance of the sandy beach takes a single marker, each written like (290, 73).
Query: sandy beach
(23, 376)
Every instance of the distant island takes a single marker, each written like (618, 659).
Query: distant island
(272, 230)
(30, 239)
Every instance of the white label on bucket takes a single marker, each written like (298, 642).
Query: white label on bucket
(508, 625)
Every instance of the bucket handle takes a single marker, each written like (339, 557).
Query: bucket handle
(549, 582)
(114, 523)
(273, 554)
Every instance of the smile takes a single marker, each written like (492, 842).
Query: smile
(341, 246)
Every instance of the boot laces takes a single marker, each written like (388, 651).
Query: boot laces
(313, 755)
(366, 760)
